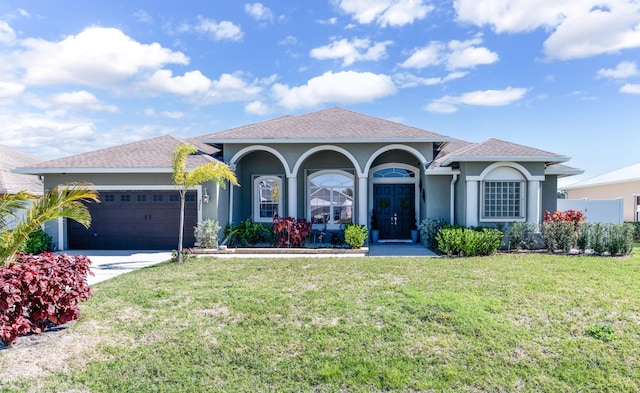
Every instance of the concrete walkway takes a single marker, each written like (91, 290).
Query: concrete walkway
(107, 264)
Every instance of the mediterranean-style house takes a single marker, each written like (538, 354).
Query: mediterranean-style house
(331, 167)
(620, 183)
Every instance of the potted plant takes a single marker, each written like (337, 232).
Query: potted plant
(375, 232)
(414, 227)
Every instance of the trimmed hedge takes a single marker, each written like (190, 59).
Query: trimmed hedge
(468, 242)
(41, 291)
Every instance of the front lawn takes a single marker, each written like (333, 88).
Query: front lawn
(512, 322)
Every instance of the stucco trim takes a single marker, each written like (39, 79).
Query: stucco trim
(338, 149)
(395, 146)
(236, 157)
(513, 165)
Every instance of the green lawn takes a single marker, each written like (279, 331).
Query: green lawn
(514, 322)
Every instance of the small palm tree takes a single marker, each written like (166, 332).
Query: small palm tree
(184, 179)
(63, 201)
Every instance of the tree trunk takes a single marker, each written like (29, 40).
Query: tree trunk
(180, 234)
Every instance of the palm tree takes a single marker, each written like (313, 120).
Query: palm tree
(63, 201)
(184, 179)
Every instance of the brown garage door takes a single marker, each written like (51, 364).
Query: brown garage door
(136, 220)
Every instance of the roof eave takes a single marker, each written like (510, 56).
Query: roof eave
(546, 159)
(42, 171)
(216, 141)
(599, 184)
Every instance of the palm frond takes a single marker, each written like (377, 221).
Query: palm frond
(66, 201)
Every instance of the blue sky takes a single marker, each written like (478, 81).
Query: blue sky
(560, 75)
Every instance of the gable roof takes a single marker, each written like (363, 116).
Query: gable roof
(149, 155)
(328, 125)
(11, 182)
(499, 150)
(622, 175)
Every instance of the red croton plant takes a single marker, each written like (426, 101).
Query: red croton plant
(574, 216)
(290, 232)
(39, 291)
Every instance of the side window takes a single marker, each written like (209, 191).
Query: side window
(267, 191)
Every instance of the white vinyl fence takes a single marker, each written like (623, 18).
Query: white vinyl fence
(596, 210)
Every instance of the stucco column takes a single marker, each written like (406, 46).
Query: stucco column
(292, 182)
(472, 203)
(534, 202)
(362, 201)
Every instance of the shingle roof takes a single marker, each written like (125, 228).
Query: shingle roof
(10, 182)
(626, 174)
(332, 124)
(155, 153)
(496, 149)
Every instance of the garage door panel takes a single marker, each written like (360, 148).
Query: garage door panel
(135, 220)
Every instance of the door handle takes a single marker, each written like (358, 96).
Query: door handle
(394, 219)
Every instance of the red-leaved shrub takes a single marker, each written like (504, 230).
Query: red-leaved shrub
(574, 216)
(38, 291)
(290, 232)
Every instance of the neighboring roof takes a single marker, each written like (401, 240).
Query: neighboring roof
(12, 183)
(499, 150)
(622, 175)
(328, 125)
(149, 155)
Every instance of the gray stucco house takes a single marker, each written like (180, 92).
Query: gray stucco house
(330, 167)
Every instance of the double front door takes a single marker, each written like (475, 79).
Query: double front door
(395, 209)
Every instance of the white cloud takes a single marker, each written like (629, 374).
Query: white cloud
(454, 55)
(190, 83)
(330, 21)
(288, 40)
(7, 35)
(143, 16)
(222, 31)
(232, 87)
(405, 80)
(386, 12)
(256, 108)
(96, 57)
(259, 12)
(630, 88)
(623, 70)
(10, 89)
(577, 29)
(358, 49)
(346, 87)
(81, 99)
(450, 104)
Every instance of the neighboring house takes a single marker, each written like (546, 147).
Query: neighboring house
(11, 182)
(330, 167)
(621, 183)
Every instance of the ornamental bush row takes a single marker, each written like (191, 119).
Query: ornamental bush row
(468, 241)
(39, 291)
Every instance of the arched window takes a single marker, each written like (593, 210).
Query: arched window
(330, 198)
(503, 195)
(394, 172)
(267, 198)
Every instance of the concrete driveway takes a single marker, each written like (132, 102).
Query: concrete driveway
(111, 263)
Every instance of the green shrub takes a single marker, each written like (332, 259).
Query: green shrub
(597, 238)
(37, 243)
(520, 235)
(355, 235)
(584, 235)
(206, 233)
(468, 242)
(559, 235)
(429, 229)
(619, 239)
(248, 233)
(636, 229)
